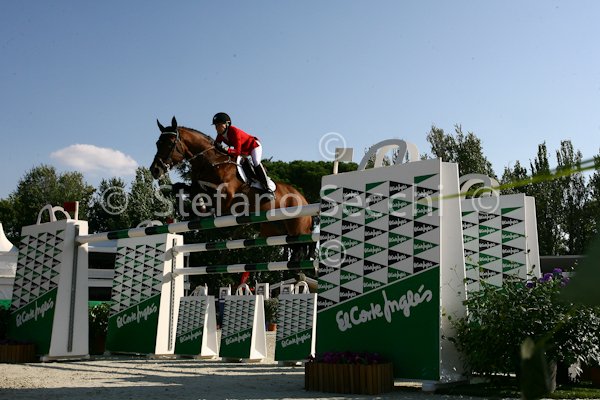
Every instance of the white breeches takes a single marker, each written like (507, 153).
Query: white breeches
(256, 155)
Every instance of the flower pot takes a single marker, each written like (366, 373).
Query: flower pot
(271, 326)
(17, 353)
(349, 378)
(97, 344)
(595, 376)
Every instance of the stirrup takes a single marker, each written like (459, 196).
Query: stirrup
(266, 192)
(269, 193)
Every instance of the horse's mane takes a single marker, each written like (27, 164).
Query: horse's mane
(210, 139)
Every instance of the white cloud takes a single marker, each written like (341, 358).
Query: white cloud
(101, 161)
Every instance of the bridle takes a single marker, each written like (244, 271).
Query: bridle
(180, 147)
(167, 162)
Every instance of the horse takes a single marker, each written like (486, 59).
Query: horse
(214, 177)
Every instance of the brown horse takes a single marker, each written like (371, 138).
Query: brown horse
(215, 179)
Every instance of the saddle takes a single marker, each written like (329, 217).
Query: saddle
(246, 173)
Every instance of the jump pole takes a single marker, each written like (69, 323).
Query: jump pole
(247, 243)
(169, 261)
(257, 267)
(225, 221)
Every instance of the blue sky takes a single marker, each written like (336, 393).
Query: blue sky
(83, 82)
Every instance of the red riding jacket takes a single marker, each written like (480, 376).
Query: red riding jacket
(241, 143)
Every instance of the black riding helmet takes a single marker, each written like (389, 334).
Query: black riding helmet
(221, 118)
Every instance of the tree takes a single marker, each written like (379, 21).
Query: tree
(442, 146)
(575, 195)
(593, 204)
(7, 214)
(108, 209)
(146, 201)
(547, 193)
(305, 175)
(463, 149)
(38, 187)
(513, 179)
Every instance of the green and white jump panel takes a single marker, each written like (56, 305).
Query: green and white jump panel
(142, 293)
(392, 266)
(49, 302)
(197, 327)
(500, 239)
(296, 327)
(243, 335)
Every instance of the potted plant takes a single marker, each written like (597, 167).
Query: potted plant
(500, 319)
(98, 324)
(349, 372)
(271, 306)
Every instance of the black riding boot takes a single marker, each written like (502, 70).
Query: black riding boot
(261, 174)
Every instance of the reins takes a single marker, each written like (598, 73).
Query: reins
(202, 153)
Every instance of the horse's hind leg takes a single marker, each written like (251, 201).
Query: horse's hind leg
(295, 227)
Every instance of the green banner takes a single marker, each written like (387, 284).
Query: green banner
(294, 347)
(237, 345)
(400, 321)
(189, 343)
(33, 322)
(134, 330)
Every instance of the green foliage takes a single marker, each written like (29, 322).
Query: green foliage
(114, 208)
(563, 198)
(271, 306)
(40, 186)
(516, 173)
(575, 194)
(98, 319)
(305, 175)
(593, 204)
(548, 195)
(500, 319)
(108, 207)
(145, 202)
(7, 218)
(463, 149)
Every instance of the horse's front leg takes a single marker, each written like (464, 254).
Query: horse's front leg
(223, 201)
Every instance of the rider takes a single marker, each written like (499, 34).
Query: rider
(241, 143)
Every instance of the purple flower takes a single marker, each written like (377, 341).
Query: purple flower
(348, 357)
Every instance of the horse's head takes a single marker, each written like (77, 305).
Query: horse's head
(169, 151)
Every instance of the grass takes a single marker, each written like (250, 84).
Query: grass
(509, 387)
